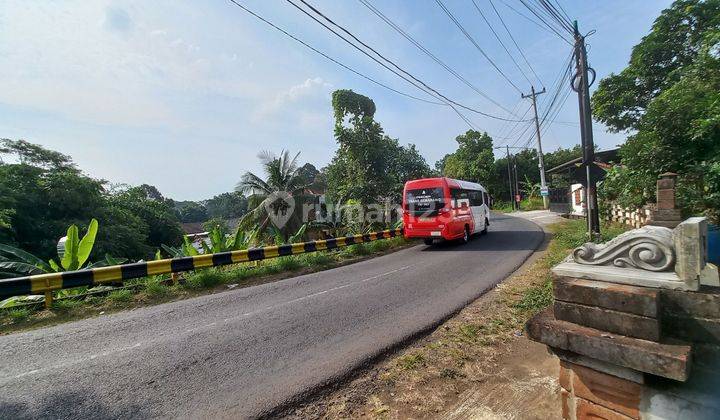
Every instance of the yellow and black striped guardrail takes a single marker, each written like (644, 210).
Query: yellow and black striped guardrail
(43, 283)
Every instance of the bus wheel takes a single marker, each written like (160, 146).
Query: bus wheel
(484, 231)
(466, 235)
(428, 241)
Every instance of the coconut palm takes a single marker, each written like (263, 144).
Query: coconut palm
(276, 198)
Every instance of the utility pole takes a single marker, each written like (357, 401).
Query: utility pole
(541, 163)
(510, 181)
(581, 84)
(517, 186)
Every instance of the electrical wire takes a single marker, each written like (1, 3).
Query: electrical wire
(502, 21)
(310, 47)
(502, 44)
(474, 42)
(427, 52)
(415, 81)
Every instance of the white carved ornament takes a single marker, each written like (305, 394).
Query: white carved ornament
(648, 248)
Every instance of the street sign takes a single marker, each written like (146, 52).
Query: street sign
(544, 192)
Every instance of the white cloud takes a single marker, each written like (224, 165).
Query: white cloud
(298, 98)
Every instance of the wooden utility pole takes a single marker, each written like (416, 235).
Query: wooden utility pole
(581, 84)
(541, 163)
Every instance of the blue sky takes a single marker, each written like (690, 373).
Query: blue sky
(183, 95)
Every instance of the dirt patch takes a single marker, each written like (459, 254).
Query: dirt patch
(478, 364)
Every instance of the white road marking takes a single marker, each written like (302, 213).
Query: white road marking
(212, 324)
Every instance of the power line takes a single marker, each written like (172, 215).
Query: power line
(415, 81)
(310, 47)
(487, 22)
(502, 21)
(543, 20)
(422, 48)
(477, 46)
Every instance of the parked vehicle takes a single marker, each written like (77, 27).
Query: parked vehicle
(444, 209)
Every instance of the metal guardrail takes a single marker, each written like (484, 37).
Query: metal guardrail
(46, 283)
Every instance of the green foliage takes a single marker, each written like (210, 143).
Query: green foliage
(18, 314)
(473, 160)
(120, 295)
(268, 200)
(229, 205)
(207, 278)
(156, 289)
(192, 212)
(670, 95)
(77, 251)
(368, 166)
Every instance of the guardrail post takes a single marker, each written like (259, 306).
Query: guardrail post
(48, 299)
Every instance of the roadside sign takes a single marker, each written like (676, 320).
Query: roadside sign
(544, 192)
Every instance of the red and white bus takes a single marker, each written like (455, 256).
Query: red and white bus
(444, 208)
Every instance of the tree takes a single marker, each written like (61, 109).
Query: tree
(678, 36)
(34, 155)
(193, 212)
(368, 166)
(473, 160)
(672, 101)
(163, 226)
(227, 205)
(271, 199)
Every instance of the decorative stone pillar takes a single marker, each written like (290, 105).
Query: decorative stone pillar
(636, 326)
(666, 213)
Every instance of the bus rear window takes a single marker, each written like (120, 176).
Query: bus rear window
(424, 201)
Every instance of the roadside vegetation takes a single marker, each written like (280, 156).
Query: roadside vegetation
(428, 377)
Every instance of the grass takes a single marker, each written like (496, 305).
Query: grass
(411, 361)
(18, 315)
(120, 296)
(207, 278)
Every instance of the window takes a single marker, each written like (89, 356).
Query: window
(486, 199)
(459, 196)
(424, 201)
(476, 198)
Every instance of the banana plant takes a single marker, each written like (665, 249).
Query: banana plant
(296, 237)
(77, 251)
(186, 249)
(73, 254)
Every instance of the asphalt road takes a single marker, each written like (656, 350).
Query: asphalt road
(243, 352)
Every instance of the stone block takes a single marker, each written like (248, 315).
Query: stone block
(608, 320)
(587, 410)
(619, 297)
(600, 366)
(666, 360)
(667, 214)
(665, 199)
(606, 390)
(690, 239)
(704, 303)
(666, 184)
(696, 330)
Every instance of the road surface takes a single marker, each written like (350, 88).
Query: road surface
(241, 353)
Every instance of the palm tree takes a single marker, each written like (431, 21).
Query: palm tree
(274, 199)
